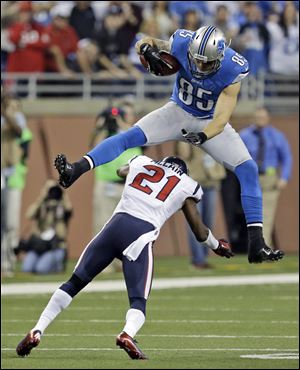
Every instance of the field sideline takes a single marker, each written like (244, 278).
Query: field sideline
(201, 327)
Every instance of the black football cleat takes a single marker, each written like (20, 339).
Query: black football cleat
(31, 340)
(265, 254)
(65, 170)
(129, 345)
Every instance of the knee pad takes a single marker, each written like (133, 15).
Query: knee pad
(138, 303)
(73, 286)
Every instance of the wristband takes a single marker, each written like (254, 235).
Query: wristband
(211, 242)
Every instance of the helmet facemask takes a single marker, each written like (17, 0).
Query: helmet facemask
(210, 67)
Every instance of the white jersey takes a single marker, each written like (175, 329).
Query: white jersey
(154, 191)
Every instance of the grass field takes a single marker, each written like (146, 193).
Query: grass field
(190, 328)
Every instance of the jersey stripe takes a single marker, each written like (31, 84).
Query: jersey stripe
(148, 281)
(197, 188)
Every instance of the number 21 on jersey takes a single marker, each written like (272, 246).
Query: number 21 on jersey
(156, 177)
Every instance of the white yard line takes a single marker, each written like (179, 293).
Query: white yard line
(273, 356)
(167, 283)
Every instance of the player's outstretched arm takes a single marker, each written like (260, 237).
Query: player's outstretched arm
(202, 233)
(224, 108)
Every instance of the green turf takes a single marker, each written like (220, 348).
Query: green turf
(191, 328)
(177, 267)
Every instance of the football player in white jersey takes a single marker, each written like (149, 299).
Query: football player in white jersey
(204, 96)
(153, 192)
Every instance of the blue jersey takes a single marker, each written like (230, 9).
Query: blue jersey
(199, 96)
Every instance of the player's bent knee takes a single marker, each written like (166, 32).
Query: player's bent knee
(247, 171)
(73, 286)
(138, 303)
(247, 168)
(133, 137)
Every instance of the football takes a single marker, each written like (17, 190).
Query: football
(173, 63)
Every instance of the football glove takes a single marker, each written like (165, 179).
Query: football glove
(155, 62)
(195, 138)
(224, 249)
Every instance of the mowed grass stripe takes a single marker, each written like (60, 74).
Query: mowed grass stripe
(186, 338)
(161, 335)
(161, 349)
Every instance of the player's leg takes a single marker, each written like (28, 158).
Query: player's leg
(97, 255)
(138, 277)
(228, 148)
(156, 127)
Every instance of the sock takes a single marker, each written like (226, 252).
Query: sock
(134, 321)
(251, 197)
(59, 301)
(255, 237)
(80, 167)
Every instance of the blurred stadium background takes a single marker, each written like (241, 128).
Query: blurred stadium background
(61, 104)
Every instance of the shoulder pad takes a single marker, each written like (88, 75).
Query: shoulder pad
(179, 40)
(235, 67)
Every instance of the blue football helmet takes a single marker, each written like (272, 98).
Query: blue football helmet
(177, 162)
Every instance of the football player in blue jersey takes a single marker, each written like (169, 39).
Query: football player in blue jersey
(204, 96)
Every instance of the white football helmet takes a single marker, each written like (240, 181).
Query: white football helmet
(206, 51)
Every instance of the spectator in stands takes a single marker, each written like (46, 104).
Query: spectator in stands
(9, 15)
(205, 170)
(223, 22)
(284, 48)
(46, 248)
(41, 10)
(112, 41)
(179, 8)
(64, 54)
(14, 150)
(191, 20)
(108, 186)
(133, 18)
(159, 11)
(150, 28)
(83, 19)
(271, 151)
(233, 8)
(30, 41)
(253, 39)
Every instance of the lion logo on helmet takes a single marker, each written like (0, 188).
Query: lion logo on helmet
(221, 46)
